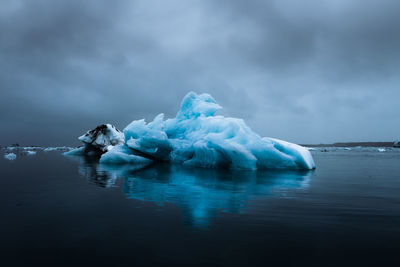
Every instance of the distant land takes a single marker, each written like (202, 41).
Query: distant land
(353, 144)
(339, 144)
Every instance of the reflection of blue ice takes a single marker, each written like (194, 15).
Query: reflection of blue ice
(201, 193)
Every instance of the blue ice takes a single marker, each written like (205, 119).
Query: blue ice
(198, 137)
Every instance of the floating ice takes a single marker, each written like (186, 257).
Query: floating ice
(78, 151)
(98, 141)
(197, 137)
(30, 153)
(102, 137)
(107, 138)
(122, 154)
(10, 156)
(32, 148)
(396, 143)
(57, 148)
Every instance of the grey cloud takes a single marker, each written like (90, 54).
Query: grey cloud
(308, 71)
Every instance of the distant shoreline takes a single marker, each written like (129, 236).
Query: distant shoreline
(338, 144)
(352, 144)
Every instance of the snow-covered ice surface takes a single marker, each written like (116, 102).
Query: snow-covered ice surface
(10, 156)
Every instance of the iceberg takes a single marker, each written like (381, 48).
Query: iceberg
(197, 137)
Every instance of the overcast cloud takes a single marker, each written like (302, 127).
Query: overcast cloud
(306, 71)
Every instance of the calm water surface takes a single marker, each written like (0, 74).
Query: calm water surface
(59, 210)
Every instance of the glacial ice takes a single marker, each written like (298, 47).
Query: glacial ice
(195, 137)
(198, 137)
(122, 154)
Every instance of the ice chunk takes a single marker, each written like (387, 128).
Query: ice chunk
(298, 154)
(396, 143)
(194, 105)
(75, 152)
(102, 137)
(57, 148)
(197, 137)
(30, 153)
(98, 141)
(33, 148)
(122, 154)
(49, 149)
(149, 139)
(10, 156)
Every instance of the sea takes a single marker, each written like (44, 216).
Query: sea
(60, 210)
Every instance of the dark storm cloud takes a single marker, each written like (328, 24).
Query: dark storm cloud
(306, 71)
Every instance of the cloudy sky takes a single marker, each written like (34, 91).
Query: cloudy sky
(307, 71)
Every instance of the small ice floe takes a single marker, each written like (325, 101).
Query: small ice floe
(381, 149)
(310, 148)
(396, 143)
(10, 156)
(32, 148)
(30, 153)
(48, 149)
(347, 148)
(58, 148)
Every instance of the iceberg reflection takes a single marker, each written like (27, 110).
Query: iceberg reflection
(200, 193)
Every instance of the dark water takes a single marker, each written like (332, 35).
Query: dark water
(70, 211)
